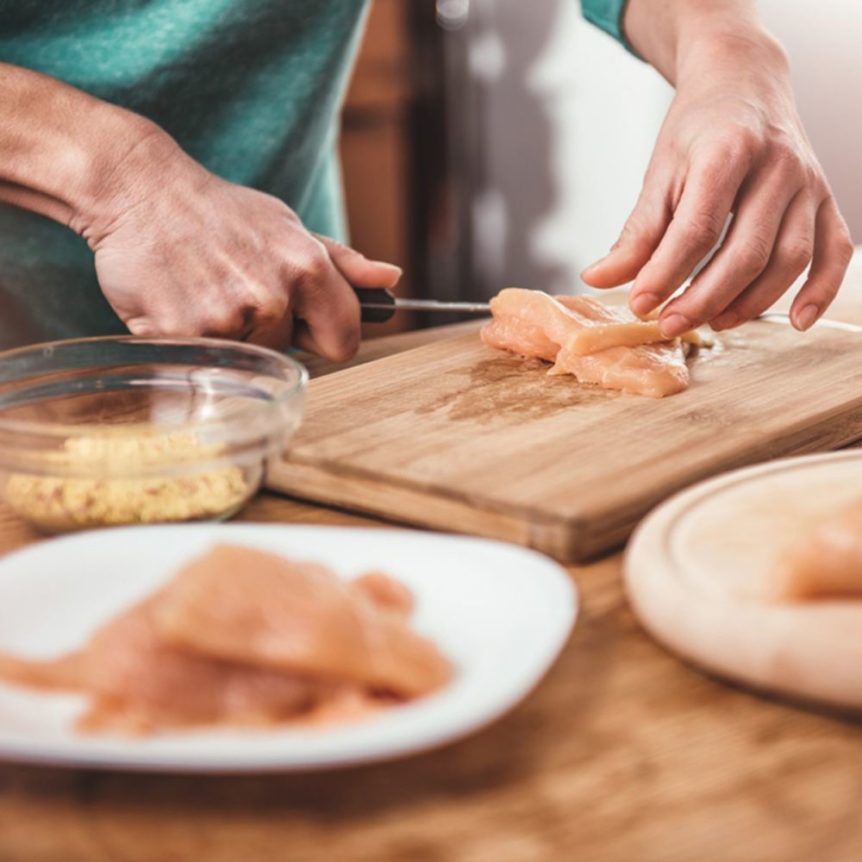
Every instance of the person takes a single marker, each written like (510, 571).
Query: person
(168, 166)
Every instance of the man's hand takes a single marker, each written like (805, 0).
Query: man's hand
(178, 250)
(731, 145)
(181, 252)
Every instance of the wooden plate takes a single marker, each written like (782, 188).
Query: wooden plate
(698, 568)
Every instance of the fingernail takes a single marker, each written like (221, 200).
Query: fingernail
(593, 266)
(806, 318)
(390, 275)
(644, 303)
(675, 324)
(603, 260)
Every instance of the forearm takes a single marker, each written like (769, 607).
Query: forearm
(60, 148)
(673, 35)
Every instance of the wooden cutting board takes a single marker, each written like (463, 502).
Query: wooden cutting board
(701, 575)
(457, 436)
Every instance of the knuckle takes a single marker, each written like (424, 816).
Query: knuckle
(171, 327)
(754, 256)
(702, 308)
(703, 230)
(219, 320)
(844, 247)
(815, 180)
(271, 307)
(746, 140)
(637, 232)
(785, 153)
(347, 336)
(140, 326)
(795, 254)
(345, 346)
(312, 268)
(740, 145)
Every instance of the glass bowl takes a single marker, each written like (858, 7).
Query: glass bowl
(125, 430)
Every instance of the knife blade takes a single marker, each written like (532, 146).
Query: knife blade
(379, 305)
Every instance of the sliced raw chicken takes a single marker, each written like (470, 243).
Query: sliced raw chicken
(598, 344)
(59, 674)
(138, 683)
(825, 562)
(654, 370)
(385, 592)
(250, 606)
(593, 339)
(242, 637)
(530, 323)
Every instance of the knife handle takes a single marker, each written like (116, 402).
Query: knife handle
(377, 303)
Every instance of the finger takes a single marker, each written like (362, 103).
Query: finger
(358, 269)
(327, 303)
(743, 256)
(304, 340)
(710, 190)
(277, 334)
(638, 240)
(141, 326)
(794, 247)
(833, 250)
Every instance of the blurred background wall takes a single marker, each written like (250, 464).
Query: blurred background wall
(509, 138)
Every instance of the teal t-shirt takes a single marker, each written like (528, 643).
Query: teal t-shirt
(250, 88)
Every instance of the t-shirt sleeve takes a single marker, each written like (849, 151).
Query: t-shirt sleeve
(607, 15)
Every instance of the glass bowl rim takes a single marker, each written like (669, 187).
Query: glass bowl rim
(48, 429)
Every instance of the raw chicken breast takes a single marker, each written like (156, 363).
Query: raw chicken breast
(138, 683)
(530, 323)
(385, 592)
(825, 562)
(654, 370)
(598, 344)
(633, 333)
(246, 605)
(243, 637)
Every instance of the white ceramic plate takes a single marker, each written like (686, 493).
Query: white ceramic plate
(501, 614)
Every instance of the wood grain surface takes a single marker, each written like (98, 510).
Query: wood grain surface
(454, 435)
(705, 574)
(623, 754)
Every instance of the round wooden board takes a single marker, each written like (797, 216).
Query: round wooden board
(698, 568)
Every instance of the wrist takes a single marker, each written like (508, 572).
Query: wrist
(132, 158)
(680, 38)
(750, 49)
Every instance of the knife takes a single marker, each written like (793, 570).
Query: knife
(379, 305)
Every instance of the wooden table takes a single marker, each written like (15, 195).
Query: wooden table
(623, 753)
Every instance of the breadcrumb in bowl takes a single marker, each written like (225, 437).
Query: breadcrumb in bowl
(111, 431)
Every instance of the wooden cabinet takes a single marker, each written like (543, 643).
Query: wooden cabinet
(385, 122)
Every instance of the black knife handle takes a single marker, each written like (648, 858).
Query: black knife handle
(377, 303)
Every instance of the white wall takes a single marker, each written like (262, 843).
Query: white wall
(569, 120)
(824, 39)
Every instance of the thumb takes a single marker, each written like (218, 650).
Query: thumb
(357, 269)
(639, 238)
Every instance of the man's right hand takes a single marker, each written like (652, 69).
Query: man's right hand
(181, 252)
